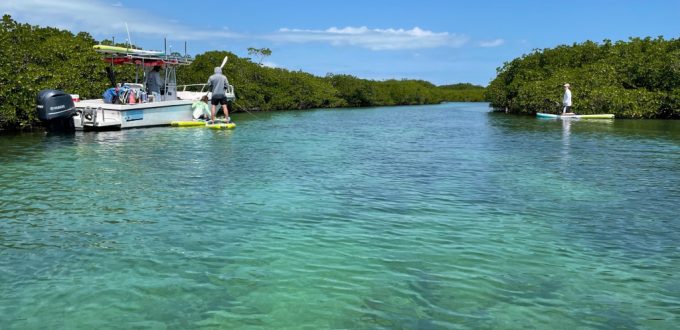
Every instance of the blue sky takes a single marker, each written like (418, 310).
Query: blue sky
(439, 41)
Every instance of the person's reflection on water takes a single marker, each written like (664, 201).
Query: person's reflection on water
(566, 130)
(566, 133)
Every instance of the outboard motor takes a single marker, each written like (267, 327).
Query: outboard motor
(55, 109)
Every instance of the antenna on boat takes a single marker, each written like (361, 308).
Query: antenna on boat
(128, 32)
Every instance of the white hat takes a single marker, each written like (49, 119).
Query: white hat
(567, 85)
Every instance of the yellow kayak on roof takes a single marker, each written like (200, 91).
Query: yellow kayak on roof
(125, 50)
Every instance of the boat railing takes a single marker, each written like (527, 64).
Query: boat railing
(191, 88)
(229, 91)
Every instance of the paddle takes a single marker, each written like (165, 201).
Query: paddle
(224, 61)
(558, 105)
(547, 103)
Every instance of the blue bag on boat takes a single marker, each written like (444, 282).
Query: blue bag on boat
(110, 95)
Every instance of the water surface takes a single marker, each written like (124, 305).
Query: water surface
(425, 217)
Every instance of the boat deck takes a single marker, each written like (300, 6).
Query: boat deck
(99, 103)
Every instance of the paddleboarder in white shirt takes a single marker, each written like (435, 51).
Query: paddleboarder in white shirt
(566, 100)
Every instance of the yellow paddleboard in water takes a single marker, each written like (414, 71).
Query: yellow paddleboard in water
(198, 123)
(187, 123)
(221, 126)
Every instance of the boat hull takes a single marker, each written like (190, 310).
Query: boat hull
(97, 115)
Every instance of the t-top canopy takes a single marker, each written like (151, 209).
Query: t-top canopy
(122, 55)
(146, 61)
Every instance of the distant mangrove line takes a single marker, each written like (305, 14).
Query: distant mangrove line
(639, 78)
(36, 58)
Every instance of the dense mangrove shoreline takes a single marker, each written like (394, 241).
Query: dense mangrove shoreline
(639, 78)
(36, 58)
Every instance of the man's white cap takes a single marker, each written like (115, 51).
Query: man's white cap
(567, 85)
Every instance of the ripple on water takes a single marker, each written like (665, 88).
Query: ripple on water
(460, 219)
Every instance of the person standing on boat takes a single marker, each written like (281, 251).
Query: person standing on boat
(154, 82)
(217, 83)
(566, 99)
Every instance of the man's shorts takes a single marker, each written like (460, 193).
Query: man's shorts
(221, 99)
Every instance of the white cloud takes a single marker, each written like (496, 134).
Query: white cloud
(101, 18)
(491, 43)
(270, 64)
(104, 19)
(374, 39)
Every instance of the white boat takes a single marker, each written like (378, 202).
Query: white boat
(98, 115)
(129, 112)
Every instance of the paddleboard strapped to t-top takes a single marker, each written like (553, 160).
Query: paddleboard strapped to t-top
(122, 50)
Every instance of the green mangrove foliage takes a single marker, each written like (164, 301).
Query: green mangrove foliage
(639, 78)
(36, 58)
(264, 88)
(261, 53)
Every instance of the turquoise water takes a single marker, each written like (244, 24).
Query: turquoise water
(430, 217)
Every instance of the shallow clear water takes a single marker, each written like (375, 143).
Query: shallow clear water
(426, 217)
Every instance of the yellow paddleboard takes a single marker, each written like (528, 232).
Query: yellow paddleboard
(221, 126)
(187, 123)
(123, 50)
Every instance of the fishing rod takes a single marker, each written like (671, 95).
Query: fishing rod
(250, 113)
(244, 109)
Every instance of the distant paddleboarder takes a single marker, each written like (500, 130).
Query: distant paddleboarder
(566, 100)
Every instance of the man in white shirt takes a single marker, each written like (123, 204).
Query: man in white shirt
(566, 100)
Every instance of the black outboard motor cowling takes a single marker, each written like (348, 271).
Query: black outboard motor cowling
(56, 109)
